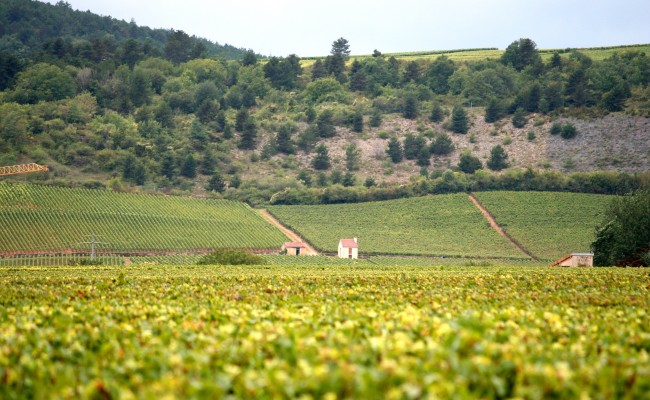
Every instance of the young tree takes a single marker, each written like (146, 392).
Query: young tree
(283, 142)
(208, 163)
(241, 119)
(469, 163)
(318, 70)
(250, 58)
(441, 145)
(348, 179)
(410, 107)
(568, 131)
(352, 157)
(375, 118)
(519, 118)
(493, 110)
(216, 183)
(412, 146)
(437, 113)
(394, 150)
(322, 159)
(498, 158)
(248, 139)
(235, 181)
(357, 121)
(459, 123)
(188, 169)
(168, 166)
(423, 157)
(411, 73)
(325, 124)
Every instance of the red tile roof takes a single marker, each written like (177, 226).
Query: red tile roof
(561, 260)
(349, 243)
(294, 244)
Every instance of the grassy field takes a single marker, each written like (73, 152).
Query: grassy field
(315, 332)
(549, 225)
(433, 225)
(48, 218)
(595, 53)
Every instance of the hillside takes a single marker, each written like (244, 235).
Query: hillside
(548, 225)
(108, 104)
(41, 218)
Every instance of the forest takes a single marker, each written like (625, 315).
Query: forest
(110, 104)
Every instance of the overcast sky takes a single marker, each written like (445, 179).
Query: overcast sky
(308, 28)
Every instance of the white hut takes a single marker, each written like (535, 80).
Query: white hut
(348, 248)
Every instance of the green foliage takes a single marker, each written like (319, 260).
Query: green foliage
(375, 118)
(352, 157)
(322, 159)
(357, 121)
(556, 128)
(493, 110)
(469, 163)
(568, 131)
(326, 90)
(231, 257)
(410, 107)
(412, 146)
(498, 157)
(437, 113)
(459, 121)
(519, 119)
(188, 168)
(43, 82)
(520, 54)
(441, 145)
(394, 150)
(325, 124)
(624, 238)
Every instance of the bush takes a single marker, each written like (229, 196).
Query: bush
(556, 129)
(519, 118)
(231, 257)
(568, 131)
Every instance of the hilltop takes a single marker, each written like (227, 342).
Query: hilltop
(108, 104)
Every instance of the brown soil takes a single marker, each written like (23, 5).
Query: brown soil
(496, 227)
(309, 250)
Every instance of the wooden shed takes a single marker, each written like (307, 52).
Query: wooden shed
(348, 248)
(293, 248)
(575, 260)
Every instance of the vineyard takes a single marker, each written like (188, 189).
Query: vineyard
(41, 218)
(549, 225)
(434, 225)
(324, 332)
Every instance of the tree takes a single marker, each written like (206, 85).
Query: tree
(568, 131)
(352, 157)
(216, 183)
(250, 58)
(410, 107)
(624, 237)
(614, 100)
(438, 74)
(188, 169)
(168, 166)
(375, 118)
(178, 47)
(459, 123)
(441, 145)
(325, 124)
(519, 118)
(322, 159)
(394, 150)
(235, 181)
(208, 163)
(318, 70)
(348, 179)
(469, 163)
(498, 157)
(357, 121)
(437, 114)
(283, 142)
(411, 73)
(493, 110)
(520, 54)
(423, 157)
(283, 72)
(43, 82)
(412, 146)
(248, 139)
(335, 62)
(240, 119)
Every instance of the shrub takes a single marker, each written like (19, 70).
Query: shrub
(531, 136)
(519, 118)
(231, 257)
(568, 131)
(556, 129)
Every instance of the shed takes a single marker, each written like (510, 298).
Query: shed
(348, 248)
(575, 260)
(293, 248)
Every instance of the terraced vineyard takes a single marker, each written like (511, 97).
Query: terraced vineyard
(549, 225)
(432, 225)
(334, 332)
(37, 218)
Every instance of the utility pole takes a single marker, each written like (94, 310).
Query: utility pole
(92, 244)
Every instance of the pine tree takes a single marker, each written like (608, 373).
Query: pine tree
(188, 169)
(216, 183)
(423, 157)
(459, 123)
(248, 139)
(493, 110)
(357, 121)
(437, 113)
(322, 159)
(375, 118)
(498, 157)
(469, 163)
(352, 157)
(410, 107)
(519, 118)
(441, 145)
(394, 150)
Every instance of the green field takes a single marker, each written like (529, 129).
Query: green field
(549, 225)
(433, 225)
(315, 332)
(595, 53)
(48, 218)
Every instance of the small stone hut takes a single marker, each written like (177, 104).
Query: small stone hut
(293, 248)
(348, 248)
(575, 260)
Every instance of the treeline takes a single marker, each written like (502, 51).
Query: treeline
(440, 182)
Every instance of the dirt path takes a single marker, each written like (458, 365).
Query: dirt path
(309, 250)
(496, 227)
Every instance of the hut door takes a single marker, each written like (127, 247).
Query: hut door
(298, 251)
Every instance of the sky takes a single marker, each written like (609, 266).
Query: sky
(308, 28)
